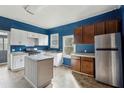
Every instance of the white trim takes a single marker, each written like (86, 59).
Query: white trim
(64, 37)
(18, 69)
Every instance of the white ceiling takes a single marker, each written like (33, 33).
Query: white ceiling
(47, 16)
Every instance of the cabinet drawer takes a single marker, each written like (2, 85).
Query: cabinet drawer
(87, 59)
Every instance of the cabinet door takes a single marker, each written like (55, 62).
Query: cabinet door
(88, 34)
(15, 37)
(18, 61)
(78, 35)
(76, 64)
(100, 28)
(87, 66)
(23, 38)
(18, 37)
(112, 26)
(43, 40)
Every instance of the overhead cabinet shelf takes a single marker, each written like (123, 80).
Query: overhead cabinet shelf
(85, 34)
(21, 37)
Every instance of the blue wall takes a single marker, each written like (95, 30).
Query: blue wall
(88, 47)
(69, 28)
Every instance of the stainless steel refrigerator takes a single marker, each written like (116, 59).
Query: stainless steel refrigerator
(108, 59)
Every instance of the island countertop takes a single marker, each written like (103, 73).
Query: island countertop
(39, 57)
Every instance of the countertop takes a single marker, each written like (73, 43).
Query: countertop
(18, 53)
(92, 55)
(39, 57)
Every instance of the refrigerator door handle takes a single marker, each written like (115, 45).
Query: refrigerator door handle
(106, 49)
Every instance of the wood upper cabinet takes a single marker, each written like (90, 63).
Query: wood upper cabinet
(85, 34)
(99, 28)
(76, 64)
(87, 66)
(78, 35)
(112, 26)
(88, 34)
(106, 27)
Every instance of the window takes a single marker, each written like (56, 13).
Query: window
(54, 41)
(68, 46)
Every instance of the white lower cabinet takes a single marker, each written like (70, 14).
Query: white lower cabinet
(17, 61)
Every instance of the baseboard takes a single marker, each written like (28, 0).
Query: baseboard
(18, 69)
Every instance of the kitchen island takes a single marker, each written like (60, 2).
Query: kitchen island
(38, 70)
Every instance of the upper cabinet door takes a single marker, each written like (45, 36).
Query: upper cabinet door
(88, 34)
(18, 37)
(99, 28)
(43, 40)
(78, 35)
(112, 26)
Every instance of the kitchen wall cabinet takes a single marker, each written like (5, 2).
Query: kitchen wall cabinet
(85, 34)
(33, 35)
(107, 27)
(87, 66)
(78, 35)
(43, 40)
(76, 64)
(88, 34)
(112, 26)
(99, 28)
(83, 65)
(18, 37)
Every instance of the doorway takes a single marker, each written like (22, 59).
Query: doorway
(3, 47)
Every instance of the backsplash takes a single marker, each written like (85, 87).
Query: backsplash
(82, 48)
(17, 48)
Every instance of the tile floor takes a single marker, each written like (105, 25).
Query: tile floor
(63, 78)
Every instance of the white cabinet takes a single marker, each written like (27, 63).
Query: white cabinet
(18, 37)
(17, 61)
(33, 35)
(37, 39)
(43, 40)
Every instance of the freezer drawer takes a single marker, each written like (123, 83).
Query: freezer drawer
(108, 67)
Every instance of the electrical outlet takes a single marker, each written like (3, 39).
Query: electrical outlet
(20, 49)
(13, 50)
(85, 51)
